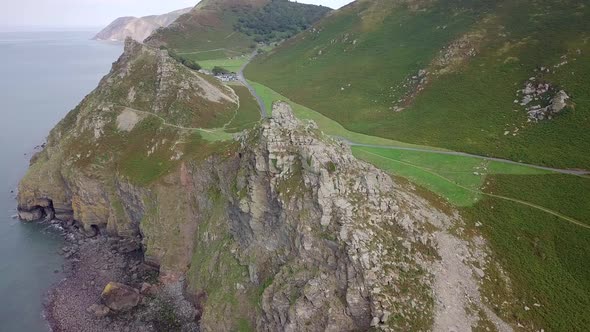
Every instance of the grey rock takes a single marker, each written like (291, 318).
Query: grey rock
(31, 215)
(98, 310)
(120, 297)
(559, 102)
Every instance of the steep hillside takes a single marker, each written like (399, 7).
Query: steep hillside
(138, 28)
(278, 20)
(495, 78)
(281, 228)
(272, 225)
(140, 122)
(233, 26)
(499, 78)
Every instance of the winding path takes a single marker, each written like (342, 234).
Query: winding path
(243, 80)
(164, 122)
(514, 200)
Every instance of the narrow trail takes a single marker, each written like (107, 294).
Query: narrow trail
(237, 98)
(211, 131)
(164, 122)
(243, 80)
(582, 173)
(213, 50)
(514, 200)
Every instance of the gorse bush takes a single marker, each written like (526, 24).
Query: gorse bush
(187, 62)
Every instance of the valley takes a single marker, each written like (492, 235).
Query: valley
(522, 210)
(391, 165)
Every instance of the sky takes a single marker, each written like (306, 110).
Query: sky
(95, 13)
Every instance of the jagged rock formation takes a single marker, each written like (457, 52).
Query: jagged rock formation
(281, 230)
(138, 28)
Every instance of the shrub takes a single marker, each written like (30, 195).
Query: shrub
(187, 62)
(279, 19)
(220, 70)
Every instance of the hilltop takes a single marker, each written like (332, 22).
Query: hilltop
(234, 26)
(138, 28)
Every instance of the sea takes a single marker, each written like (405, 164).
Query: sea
(43, 75)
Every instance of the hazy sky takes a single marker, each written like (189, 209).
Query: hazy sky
(95, 13)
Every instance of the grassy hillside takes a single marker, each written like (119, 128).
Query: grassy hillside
(217, 29)
(537, 223)
(546, 258)
(209, 26)
(445, 74)
(280, 19)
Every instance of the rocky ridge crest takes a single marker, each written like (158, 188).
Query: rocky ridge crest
(281, 230)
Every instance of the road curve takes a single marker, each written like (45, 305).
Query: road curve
(463, 154)
(243, 80)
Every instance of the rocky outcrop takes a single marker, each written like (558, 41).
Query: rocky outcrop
(93, 157)
(137, 28)
(542, 101)
(280, 230)
(331, 232)
(556, 105)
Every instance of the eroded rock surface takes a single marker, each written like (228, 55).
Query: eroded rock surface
(281, 230)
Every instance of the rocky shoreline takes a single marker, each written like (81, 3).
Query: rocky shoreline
(79, 303)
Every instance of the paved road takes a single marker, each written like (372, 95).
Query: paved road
(463, 154)
(241, 78)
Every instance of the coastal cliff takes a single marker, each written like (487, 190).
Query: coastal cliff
(138, 28)
(280, 228)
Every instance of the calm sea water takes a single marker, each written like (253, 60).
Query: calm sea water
(43, 75)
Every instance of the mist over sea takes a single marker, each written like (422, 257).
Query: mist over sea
(43, 75)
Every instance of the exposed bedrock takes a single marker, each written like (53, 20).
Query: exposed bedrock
(281, 230)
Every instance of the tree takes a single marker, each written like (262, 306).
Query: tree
(279, 19)
(219, 71)
(186, 62)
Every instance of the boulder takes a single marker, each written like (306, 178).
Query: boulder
(98, 310)
(120, 297)
(31, 215)
(559, 102)
(147, 289)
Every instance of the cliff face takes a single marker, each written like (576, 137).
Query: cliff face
(134, 128)
(138, 28)
(281, 229)
(330, 243)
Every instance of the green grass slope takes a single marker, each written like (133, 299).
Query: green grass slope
(546, 258)
(209, 26)
(217, 29)
(537, 223)
(362, 64)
